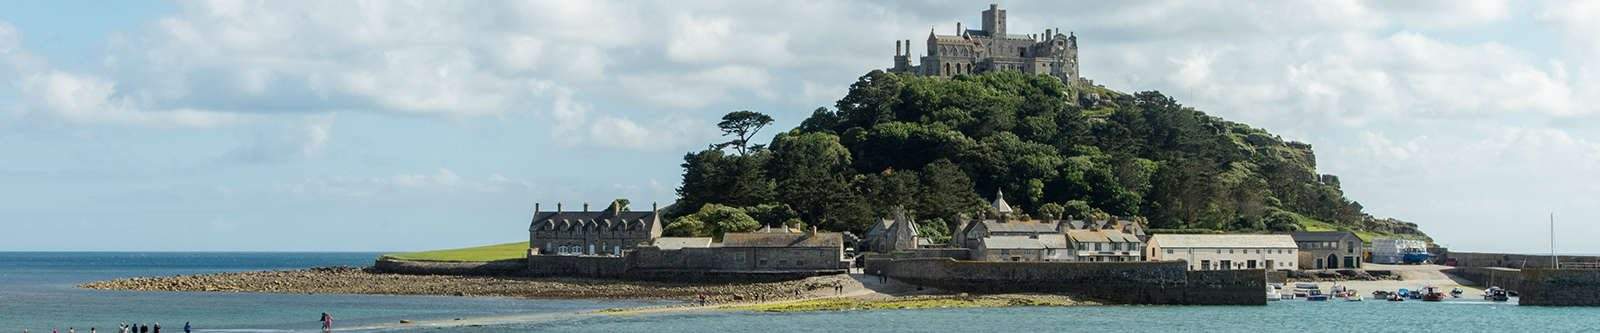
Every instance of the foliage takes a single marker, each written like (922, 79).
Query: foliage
(713, 220)
(742, 125)
(940, 147)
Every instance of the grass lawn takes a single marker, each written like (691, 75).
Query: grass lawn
(505, 251)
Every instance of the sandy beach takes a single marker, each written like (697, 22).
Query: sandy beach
(1411, 277)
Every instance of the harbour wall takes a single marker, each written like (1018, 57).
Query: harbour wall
(1564, 287)
(668, 265)
(1514, 260)
(1114, 282)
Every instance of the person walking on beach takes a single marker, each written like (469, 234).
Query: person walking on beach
(144, 328)
(186, 327)
(327, 322)
(157, 328)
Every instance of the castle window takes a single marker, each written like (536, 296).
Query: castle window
(947, 69)
(1022, 52)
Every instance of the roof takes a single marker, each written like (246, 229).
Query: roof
(1223, 241)
(1050, 241)
(596, 216)
(1000, 204)
(1322, 236)
(1101, 236)
(782, 239)
(1030, 226)
(675, 243)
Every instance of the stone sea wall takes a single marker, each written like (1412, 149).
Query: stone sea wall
(1115, 282)
(1566, 287)
(1513, 260)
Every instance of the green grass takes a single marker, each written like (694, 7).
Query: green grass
(1311, 224)
(505, 251)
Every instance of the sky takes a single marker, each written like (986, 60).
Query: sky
(406, 125)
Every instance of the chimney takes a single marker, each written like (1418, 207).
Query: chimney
(535, 208)
(897, 47)
(958, 29)
(1047, 34)
(908, 47)
(558, 206)
(653, 207)
(585, 207)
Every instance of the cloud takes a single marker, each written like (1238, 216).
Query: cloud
(439, 182)
(286, 142)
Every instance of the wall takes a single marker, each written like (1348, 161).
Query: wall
(694, 264)
(1511, 260)
(1511, 279)
(1567, 287)
(1114, 282)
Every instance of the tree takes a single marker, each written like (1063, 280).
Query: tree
(713, 176)
(813, 177)
(946, 191)
(934, 230)
(743, 125)
(713, 220)
(1077, 209)
(1051, 211)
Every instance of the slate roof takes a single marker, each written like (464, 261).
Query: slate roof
(1322, 236)
(1049, 241)
(676, 243)
(568, 220)
(782, 239)
(1101, 236)
(1223, 241)
(1015, 226)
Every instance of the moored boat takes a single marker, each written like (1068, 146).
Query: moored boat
(1432, 294)
(1495, 294)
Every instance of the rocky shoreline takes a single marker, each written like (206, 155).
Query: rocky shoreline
(351, 280)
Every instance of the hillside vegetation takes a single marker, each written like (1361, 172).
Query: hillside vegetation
(942, 147)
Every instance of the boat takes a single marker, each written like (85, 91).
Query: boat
(1455, 293)
(1495, 294)
(1381, 294)
(1303, 290)
(1316, 295)
(1413, 256)
(1396, 298)
(1272, 293)
(1432, 294)
(1353, 297)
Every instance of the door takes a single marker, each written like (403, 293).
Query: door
(1333, 261)
(1350, 262)
(1269, 265)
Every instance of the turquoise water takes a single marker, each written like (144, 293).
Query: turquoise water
(37, 292)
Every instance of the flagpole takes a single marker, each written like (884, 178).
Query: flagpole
(1555, 261)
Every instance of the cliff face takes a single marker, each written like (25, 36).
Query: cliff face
(940, 146)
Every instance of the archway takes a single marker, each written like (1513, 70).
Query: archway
(1333, 261)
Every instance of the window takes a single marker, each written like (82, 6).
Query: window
(1169, 251)
(1205, 265)
(801, 263)
(1097, 247)
(761, 263)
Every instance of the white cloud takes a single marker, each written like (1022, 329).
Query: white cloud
(438, 182)
(718, 40)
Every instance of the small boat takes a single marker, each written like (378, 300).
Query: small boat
(1455, 293)
(1272, 293)
(1432, 294)
(1396, 298)
(1316, 295)
(1495, 294)
(1303, 290)
(1353, 298)
(1403, 293)
(1381, 294)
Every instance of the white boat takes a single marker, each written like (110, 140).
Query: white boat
(1272, 292)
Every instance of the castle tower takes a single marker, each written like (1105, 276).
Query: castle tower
(994, 21)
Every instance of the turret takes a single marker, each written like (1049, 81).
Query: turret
(994, 21)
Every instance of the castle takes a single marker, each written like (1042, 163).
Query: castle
(992, 49)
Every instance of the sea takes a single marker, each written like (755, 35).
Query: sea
(39, 293)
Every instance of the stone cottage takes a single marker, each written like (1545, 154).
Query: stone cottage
(1328, 249)
(1225, 252)
(890, 235)
(610, 231)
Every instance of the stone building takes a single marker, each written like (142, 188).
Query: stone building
(606, 232)
(1107, 245)
(1009, 238)
(890, 235)
(992, 48)
(782, 250)
(1225, 252)
(1328, 249)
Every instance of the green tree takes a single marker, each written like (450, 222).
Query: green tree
(814, 177)
(714, 220)
(946, 191)
(713, 176)
(1077, 209)
(1051, 211)
(743, 125)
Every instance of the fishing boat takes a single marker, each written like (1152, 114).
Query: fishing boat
(1455, 293)
(1316, 295)
(1495, 294)
(1432, 294)
(1273, 294)
(1353, 297)
(1395, 297)
(1415, 256)
(1381, 294)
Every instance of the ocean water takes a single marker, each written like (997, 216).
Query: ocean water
(37, 292)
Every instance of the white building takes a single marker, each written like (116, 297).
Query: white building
(1389, 250)
(1105, 246)
(1225, 252)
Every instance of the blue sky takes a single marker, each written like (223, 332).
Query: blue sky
(322, 125)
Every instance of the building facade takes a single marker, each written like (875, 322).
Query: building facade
(890, 235)
(1105, 246)
(1328, 249)
(1007, 238)
(993, 48)
(1391, 251)
(606, 232)
(1226, 252)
